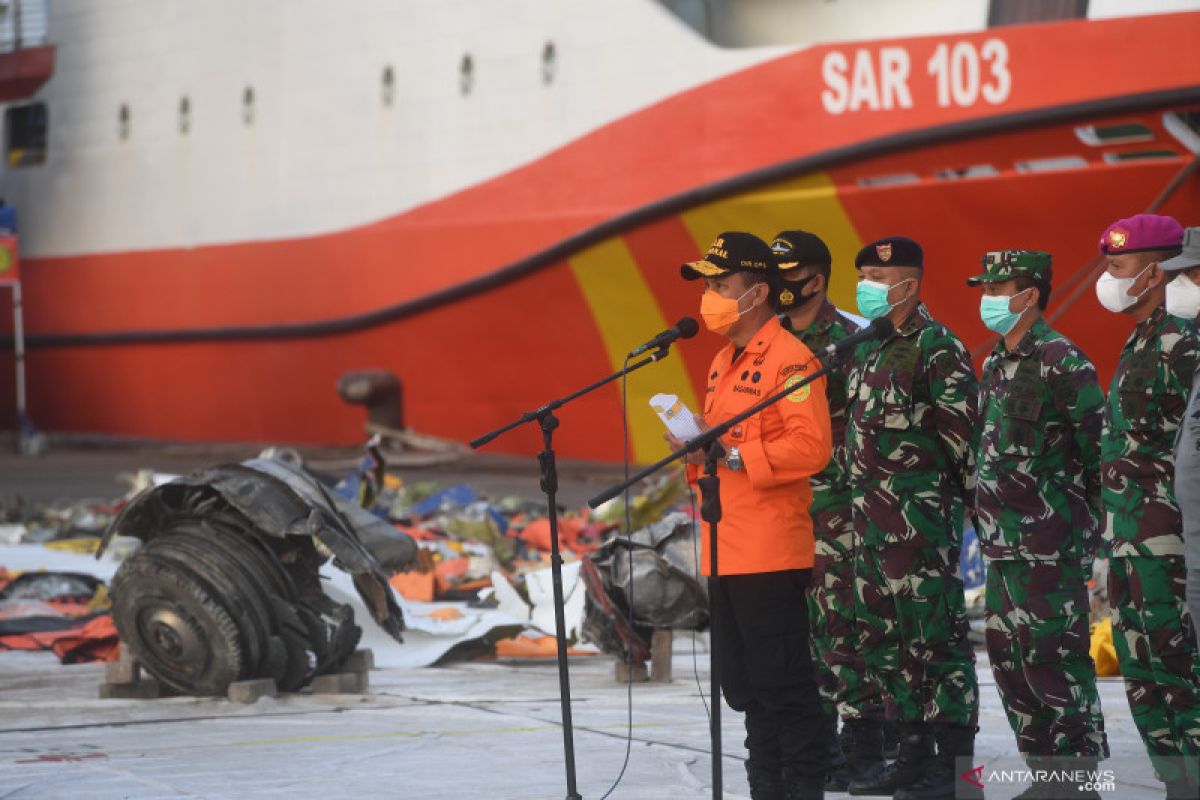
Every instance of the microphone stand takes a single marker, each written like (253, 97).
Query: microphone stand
(545, 418)
(710, 512)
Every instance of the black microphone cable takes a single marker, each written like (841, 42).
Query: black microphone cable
(629, 535)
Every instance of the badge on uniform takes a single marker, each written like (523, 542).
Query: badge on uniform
(801, 394)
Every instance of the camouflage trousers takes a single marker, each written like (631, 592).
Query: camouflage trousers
(1193, 600)
(1038, 635)
(913, 632)
(846, 688)
(1156, 649)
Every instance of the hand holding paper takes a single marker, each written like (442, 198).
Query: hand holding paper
(675, 414)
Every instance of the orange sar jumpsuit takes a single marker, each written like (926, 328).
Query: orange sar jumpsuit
(765, 556)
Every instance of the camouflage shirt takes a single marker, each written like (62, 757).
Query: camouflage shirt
(1146, 401)
(910, 432)
(830, 508)
(1037, 490)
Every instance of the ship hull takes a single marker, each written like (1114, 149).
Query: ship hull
(494, 299)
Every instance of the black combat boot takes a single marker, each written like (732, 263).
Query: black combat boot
(916, 749)
(940, 776)
(1182, 789)
(801, 787)
(891, 740)
(863, 748)
(766, 783)
(836, 758)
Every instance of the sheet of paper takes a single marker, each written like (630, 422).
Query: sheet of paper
(676, 416)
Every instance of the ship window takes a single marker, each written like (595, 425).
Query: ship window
(1138, 155)
(389, 85)
(1014, 12)
(1125, 133)
(124, 121)
(898, 179)
(549, 63)
(1051, 164)
(185, 115)
(248, 105)
(466, 74)
(1185, 127)
(973, 171)
(27, 127)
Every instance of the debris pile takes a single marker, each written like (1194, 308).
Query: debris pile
(256, 570)
(65, 612)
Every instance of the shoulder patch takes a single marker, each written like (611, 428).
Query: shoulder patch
(792, 368)
(801, 394)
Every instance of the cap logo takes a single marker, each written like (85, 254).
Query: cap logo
(884, 251)
(786, 297)
(780, 246)
(1117, 238)
(718, 249)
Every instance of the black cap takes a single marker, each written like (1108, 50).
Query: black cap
(733, 251)
(893, 251)
(795, 249)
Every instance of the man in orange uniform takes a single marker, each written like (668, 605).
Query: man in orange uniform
(765, 537)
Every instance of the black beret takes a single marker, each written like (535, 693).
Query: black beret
(893, 251)
(794, 249)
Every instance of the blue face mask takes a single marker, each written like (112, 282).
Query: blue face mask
(872, 297)
(994, 312)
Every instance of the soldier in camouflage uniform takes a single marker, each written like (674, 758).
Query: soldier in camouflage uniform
(1037, 497)
(847, 690)
(911, 424)
(1144, 534)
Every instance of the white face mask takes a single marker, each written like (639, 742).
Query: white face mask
(1183, 297)
(1113, 292)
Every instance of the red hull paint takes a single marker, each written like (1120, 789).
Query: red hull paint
(476, 362)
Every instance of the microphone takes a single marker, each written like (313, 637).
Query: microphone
(881, 328)
(686, 328)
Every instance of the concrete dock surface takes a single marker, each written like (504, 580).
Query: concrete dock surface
(471, 730)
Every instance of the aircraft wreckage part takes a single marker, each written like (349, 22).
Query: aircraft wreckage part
(215, 596)
(174, 627)
(665, 589)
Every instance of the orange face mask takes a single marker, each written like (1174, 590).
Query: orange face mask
(720, 312)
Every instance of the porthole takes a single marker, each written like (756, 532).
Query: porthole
(549, 63)
(389, 85)
(466, 75)
(248, 105)
(124, 121)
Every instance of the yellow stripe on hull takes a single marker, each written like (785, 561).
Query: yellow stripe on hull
(626, 315)
(809, 203)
